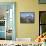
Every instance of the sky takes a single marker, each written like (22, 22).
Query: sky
(27, 14)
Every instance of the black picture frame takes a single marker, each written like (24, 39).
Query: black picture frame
(27, 17)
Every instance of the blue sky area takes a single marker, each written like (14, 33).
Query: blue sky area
(27, 14)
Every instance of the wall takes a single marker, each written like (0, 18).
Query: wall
(27, 30)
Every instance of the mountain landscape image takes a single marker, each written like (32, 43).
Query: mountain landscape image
(27, 18)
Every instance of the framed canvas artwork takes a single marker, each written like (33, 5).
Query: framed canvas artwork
(27, 17)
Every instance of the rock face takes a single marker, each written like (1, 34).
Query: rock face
(28, 19)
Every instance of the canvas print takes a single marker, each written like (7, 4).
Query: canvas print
(27, 17)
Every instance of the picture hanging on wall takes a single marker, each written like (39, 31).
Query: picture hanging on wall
(42, 1)
(27, 17)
